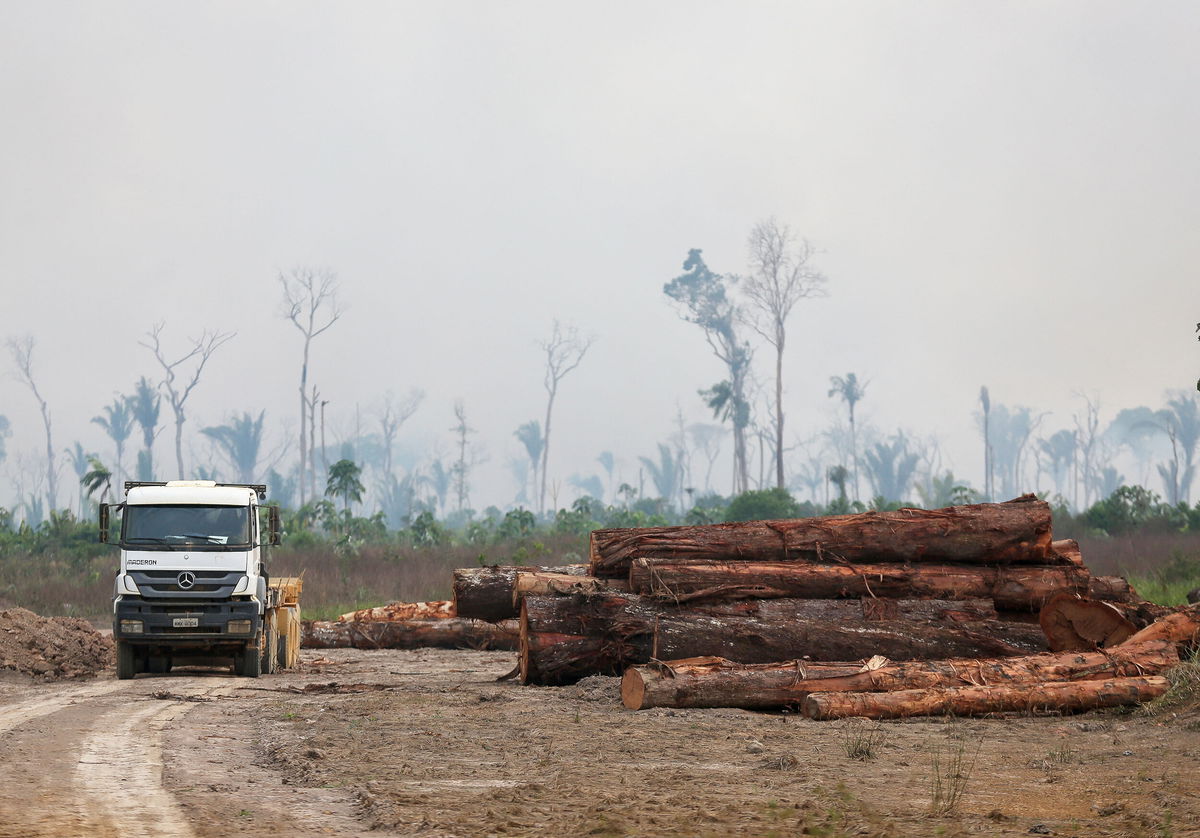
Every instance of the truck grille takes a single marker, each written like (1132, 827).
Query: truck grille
(209, 584)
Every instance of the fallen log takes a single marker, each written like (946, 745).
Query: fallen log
(1013, 587)
(451, 633)
(1071, 622)
(1112, 589)
(541, 583)
(566, 638)
(1017, 531)
(486, 593)
(433, 610)
(1181, 628)
(715, 682)
(1053, 696)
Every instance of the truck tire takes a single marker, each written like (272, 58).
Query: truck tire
(126, 661)
(248, 662)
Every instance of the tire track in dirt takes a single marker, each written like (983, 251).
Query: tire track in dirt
(120, 769)
(88, 760)
(14, 715)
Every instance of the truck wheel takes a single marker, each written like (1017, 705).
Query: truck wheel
(248, 662)
(125, 661)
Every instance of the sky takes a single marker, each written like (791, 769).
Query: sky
(1001, 194)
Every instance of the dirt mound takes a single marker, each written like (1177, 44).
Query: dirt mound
(58, 647)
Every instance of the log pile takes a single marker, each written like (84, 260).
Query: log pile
(445, 633)
(912, 584)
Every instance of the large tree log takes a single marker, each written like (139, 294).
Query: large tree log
(541, 583)
(1053, 696)
(433, 610)
(1071, 622)
(1013, 587)
(1181, 628)
(715, 682)
(988, 533)
(566, 638)
(410, 634)
(486, 593)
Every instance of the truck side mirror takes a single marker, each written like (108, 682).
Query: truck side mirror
(104, 523)
(273, 524)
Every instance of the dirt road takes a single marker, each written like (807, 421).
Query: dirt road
(429, 743)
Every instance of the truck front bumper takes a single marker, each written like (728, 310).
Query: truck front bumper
(176, 623)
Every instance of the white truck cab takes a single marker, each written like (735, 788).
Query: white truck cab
(193, 580)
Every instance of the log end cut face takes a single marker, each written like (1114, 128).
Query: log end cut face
(1071, 622)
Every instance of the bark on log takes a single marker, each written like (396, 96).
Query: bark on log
(433, 610)
(1013, 588)
(1071, 622)
(566, 638)
(1181, 628)
(1068, 549)
(1072, 696)
(1017, 531)
(1112, 589)
(410, 634)
(715, 682)
(486, 593)
(540, 583)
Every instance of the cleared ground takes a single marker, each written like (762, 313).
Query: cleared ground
(429, 743)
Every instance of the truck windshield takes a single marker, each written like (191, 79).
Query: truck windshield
(147, 527)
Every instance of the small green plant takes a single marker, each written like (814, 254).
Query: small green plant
(1062, 755)
(861, 739)
(950, 774)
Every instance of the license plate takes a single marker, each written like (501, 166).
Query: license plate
(186, 622)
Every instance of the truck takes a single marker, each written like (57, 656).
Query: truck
(193, 583)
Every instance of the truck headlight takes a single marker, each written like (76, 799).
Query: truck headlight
(127, 585)
(242, 584)
(131, 627)
(238, 627)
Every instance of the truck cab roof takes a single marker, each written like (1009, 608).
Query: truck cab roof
(191, 492)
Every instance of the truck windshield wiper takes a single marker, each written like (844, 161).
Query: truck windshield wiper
(153, 539)
(211, 539)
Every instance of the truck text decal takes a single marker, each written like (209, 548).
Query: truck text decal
(131, 562)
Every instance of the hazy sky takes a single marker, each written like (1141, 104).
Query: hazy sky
(1004, 194)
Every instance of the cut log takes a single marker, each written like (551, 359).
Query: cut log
(1068, 550)
(541, 583)
(715, 682)
(410, 634)
(1181, 628)
(566, 638)
(433, 610)
(987, 533)
(1071, 622)
(1053, 696)
(1013, 588)
(1112, 589)
(486, 593)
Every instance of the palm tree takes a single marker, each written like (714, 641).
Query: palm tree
(664, 473)
(851, 392)
(97, 476)
(240, 441)
(1058, 452)
(343, 483)
(117, 422)
(530, 435)
(891, 468)
(145, 403)
(1180, 420)
(79, 461)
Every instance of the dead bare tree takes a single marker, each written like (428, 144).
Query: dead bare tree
(466, 457)
(310, 302)
(392, 415)
(564, 350)
(781, 275)
(22, 353)
(180, 387)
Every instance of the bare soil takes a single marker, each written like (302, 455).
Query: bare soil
(51, 647)
(429, 743)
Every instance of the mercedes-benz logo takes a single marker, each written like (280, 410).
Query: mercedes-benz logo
(187, 579)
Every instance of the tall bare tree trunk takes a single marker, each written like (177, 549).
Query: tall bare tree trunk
(779, 415)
